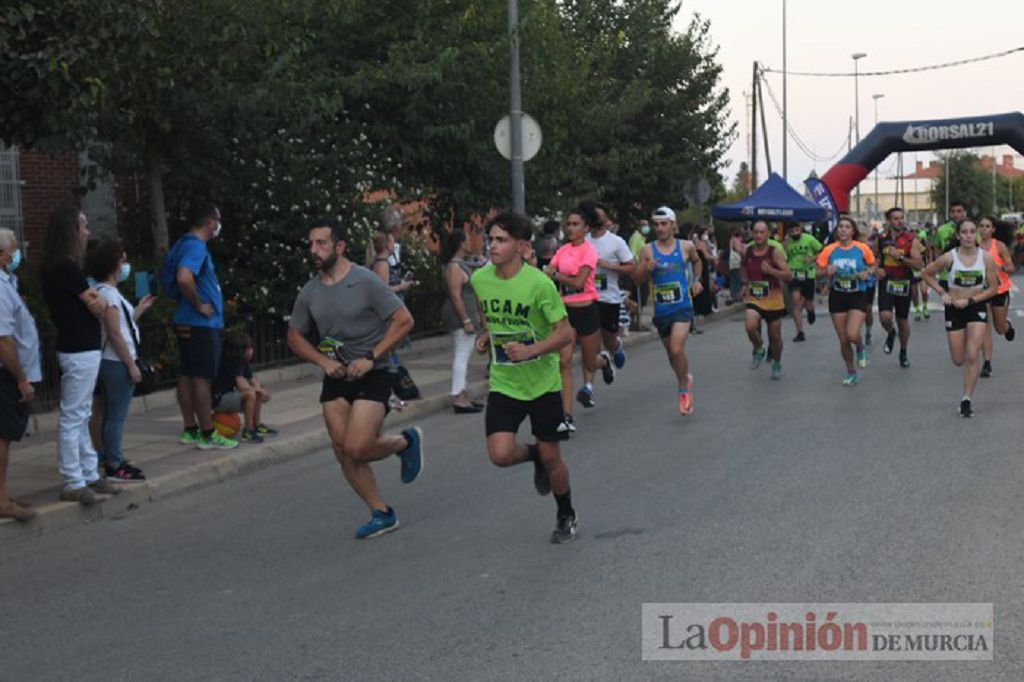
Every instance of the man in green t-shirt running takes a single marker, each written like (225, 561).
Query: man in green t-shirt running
(945, 234)
(525, 324)
(801, 250)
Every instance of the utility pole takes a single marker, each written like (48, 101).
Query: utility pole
(515, 111)
(753, 132)
(876, 97)
(993, 180)
(946, 162)
(785, 110)
(857, 56)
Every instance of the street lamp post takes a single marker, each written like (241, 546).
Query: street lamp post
(515, 113)
(876, 97)
(857, 56)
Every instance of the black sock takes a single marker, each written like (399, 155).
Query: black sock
(532, 453)
(564, 503)
(208, 434)
(192, 429)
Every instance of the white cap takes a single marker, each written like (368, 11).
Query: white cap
(664, 213)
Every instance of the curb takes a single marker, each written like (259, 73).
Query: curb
(59, 515)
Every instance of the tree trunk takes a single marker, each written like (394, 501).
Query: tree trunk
(158, 212)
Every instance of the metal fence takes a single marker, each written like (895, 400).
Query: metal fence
(269, 337)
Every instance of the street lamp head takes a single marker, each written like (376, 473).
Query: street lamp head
(859, 55)
(878, 97)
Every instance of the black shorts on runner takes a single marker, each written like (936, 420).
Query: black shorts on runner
(959, 318)
(664, 323)
(845, 301)
(887, 301)
(374, 386)
(13, 414)
(609, 314)
(584, 319)
(199, 351)
(767, 315)
(1000, 300)
(869, 294)
(804, 286)
(505, 414)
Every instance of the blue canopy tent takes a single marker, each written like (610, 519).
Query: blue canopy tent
(774, 200)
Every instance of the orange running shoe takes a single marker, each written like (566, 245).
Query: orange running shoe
(686, 399)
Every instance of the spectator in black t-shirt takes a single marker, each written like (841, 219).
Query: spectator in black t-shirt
(236, 389)
(75, 309)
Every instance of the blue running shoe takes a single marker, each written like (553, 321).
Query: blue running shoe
(379, 523)
(412, 456)
(619, 356)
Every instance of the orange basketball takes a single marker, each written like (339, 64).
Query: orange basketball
(227, 424)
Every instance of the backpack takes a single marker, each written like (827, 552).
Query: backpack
(169, 269)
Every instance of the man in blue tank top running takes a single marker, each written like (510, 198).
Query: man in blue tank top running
(665, 261)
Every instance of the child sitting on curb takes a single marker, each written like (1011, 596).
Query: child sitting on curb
(236, 389)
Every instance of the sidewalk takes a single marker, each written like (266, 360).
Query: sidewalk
(153, 427)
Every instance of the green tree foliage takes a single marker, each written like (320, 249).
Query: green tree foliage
(657, 118)
(969, 183)
(283, 110)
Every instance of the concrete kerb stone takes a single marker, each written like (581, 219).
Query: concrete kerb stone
(244, 460)
(46, 422)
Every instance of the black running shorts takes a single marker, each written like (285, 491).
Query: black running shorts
(609, 314)
(845, 301)
(374, 386)
(584, 319)
(505, 414)
(958, 318)
(804, 286)
(887, 301)
(767, 315)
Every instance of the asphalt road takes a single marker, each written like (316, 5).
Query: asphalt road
(799, 490)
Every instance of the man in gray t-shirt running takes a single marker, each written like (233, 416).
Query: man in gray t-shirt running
(357, 321)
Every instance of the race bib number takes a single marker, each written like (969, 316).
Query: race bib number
(800, 275)
(499, 339)
(965, 279)
(845, 283)
(601, 281)
(758, 290)
(668, 293)
(568, 289)
(898, 287)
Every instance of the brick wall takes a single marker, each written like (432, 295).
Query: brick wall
(47, 181)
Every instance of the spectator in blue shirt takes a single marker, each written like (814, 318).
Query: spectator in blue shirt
(19, 369)
(198, 319)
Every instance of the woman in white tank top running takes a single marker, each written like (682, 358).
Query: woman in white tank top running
(973, 280)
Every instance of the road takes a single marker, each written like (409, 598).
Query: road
(799, 490)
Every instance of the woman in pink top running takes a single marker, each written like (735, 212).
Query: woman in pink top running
(572, 268)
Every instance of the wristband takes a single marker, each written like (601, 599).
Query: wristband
(467, 321)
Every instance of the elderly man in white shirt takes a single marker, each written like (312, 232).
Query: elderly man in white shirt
(19, 369)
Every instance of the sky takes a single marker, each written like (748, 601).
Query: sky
(822, 35)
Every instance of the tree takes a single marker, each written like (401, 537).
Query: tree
(969, 183)
(741, 184)
(659, 119)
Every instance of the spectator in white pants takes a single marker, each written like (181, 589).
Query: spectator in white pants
(75, 309)
(461, 316)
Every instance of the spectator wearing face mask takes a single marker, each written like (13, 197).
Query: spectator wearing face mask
(19, 369)
(108, 265)
(190, 278)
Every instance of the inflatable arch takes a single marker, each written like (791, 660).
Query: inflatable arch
(910, 136)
